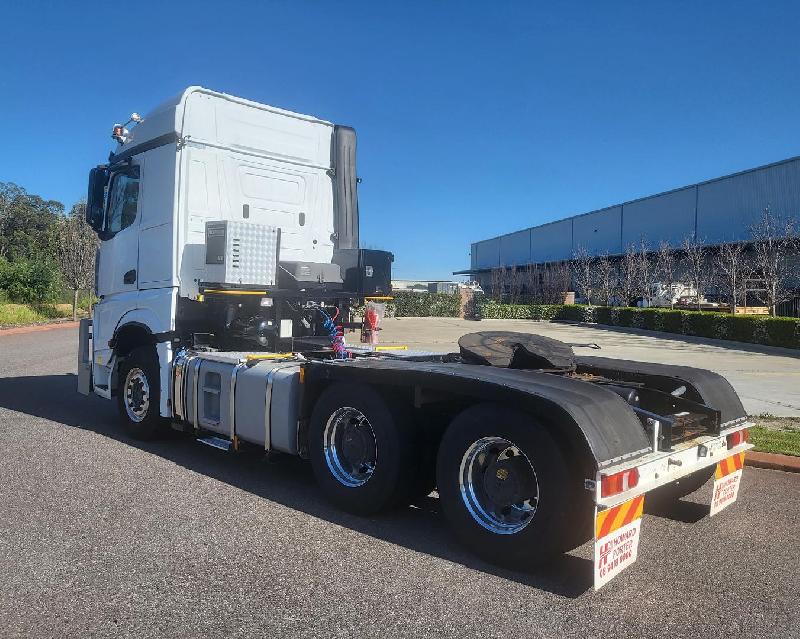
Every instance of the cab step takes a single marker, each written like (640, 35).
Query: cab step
(216, 442)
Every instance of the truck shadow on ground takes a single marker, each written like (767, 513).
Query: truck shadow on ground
(287, 481)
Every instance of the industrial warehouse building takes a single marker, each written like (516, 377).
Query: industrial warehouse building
(715, 212)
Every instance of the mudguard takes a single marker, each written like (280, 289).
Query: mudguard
(610, 428)
(703, 386)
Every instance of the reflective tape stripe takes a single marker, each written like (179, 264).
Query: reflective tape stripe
(615, 518)
(729, 465)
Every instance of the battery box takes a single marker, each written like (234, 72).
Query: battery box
(241, 253)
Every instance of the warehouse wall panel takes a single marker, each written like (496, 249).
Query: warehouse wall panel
(727, 208)
(515, 248)
(667, 217)
(552, 242)
(486, 254)
(598, 232)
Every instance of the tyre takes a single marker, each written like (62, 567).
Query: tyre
(139, 394)
(362, 449)
(506, 489)
(670, 493)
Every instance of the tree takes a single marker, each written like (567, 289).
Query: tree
(583, 272)
(75, 250)
(27, 224)
(604, 278)
(774, 243)
(734, 268)
(695, 265)
(555, 282)
(628, 273)
(516, 282)
(499, 277)
(532, 276)
(642, 271)
(665, 269)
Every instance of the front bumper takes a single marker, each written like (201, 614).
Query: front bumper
(661, 468)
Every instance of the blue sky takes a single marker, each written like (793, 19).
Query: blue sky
(474, 118)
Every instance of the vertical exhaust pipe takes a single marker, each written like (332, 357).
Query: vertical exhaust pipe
(345, 188)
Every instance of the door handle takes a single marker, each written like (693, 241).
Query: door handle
(129, 277)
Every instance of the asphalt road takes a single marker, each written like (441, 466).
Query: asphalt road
(103, 536)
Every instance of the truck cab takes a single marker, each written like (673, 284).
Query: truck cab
(207, 157)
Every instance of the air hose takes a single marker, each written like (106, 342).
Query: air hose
(336, 333)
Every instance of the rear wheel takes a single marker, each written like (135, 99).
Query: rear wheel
(361, 449)
(139, 394)
(506, 489)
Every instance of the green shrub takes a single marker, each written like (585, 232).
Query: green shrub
(699, 323)
(624, 316)
(30, 281)
(547, 312)
(575, 313)
(494, 310)
(427, 304)
(755, 329)
(782, 331)
(721, 325)
(672, 321)
(602, 315)
(742, 328)
(650, 319)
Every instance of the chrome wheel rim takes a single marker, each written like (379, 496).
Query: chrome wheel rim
(499, 485)
(137, 395)
(350, 448)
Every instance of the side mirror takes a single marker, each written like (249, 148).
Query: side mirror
(95, 200)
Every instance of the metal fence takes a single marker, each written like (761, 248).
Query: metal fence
(790, 308)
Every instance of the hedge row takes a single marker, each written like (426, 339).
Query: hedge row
(754, 329)
(420, 305)
(544, 312)
(426, 304)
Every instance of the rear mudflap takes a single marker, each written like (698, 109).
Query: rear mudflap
(618, 519)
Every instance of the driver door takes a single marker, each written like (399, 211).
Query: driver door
(118, 263)
(119, 252)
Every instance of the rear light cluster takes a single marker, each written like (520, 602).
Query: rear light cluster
(739, 437)
(618, 482)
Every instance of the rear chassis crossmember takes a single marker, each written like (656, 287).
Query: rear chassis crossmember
(664, 467)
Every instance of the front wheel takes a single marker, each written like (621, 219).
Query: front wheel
(139, 394)
(506, 489)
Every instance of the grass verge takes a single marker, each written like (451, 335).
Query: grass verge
(785, 441)
(20, 314)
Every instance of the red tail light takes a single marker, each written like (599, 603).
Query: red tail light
(739, 437)
(618, 482)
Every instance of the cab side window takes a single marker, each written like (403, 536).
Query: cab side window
(123, 195)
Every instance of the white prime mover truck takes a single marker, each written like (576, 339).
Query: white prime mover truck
(227, 271)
